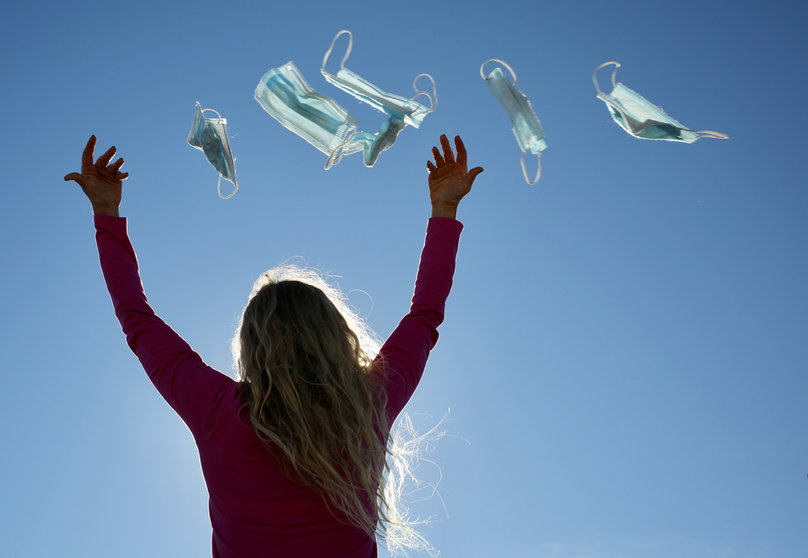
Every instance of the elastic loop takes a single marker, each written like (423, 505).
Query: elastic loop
(524, 170)
(211, 110)
(428, 96)
(501, 62)
(433, 99)
(710, 134)
(336, 155)
(219, 189)
(347, 52)
(614, 74)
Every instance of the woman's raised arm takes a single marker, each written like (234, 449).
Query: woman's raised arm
(179, 374)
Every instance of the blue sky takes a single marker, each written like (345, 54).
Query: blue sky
(624, 352)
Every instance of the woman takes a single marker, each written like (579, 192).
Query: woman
(293, 452)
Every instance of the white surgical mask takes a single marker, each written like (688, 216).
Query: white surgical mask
(286, 95)
(209, 135)
(641, 118)
(526, 126)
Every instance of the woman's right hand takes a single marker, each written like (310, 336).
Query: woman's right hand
(100, 181)
(449, 180)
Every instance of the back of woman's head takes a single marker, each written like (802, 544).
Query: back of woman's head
(303, 359)
(294, 337)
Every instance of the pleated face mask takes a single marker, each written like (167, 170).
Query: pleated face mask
(400, 111)
(209, 135)
(526, 126)
(641, 118)
(318, 119)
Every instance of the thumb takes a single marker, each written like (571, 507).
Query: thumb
(73, 176)
(472, 174)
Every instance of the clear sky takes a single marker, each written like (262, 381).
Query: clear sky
(624, 351)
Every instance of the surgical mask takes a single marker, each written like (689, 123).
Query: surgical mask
(284, 93)
(400, 111)
(641, 118)
(209, 135)
(526, 126)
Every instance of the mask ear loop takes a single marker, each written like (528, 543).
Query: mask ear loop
(616, 65)
(336, 155)
(212, 110)
(347, 52)
(709, 134)
(219, 188)
(482, 75)
(524, 170)
(433, 99)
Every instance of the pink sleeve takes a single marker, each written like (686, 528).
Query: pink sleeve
(405, 352)
(191, 388)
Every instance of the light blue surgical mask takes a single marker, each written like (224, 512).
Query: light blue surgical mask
(641, 118)
(209, 135)
(526, 126)
(400, 111)
(285, 94)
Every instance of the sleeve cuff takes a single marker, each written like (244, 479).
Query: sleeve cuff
(446, 224)
(115, 226)
(109, 222)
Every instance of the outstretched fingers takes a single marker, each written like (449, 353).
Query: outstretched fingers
(448, 158)
(101, 168)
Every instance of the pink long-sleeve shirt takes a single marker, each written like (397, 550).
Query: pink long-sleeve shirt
(255, 511)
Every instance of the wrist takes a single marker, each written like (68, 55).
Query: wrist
(449, 211)
(106, 210)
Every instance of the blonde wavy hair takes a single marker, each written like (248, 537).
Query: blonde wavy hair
(304, 362)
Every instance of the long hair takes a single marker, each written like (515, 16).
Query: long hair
(304, 360)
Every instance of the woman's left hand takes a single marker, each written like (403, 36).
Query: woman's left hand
(100, 181)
